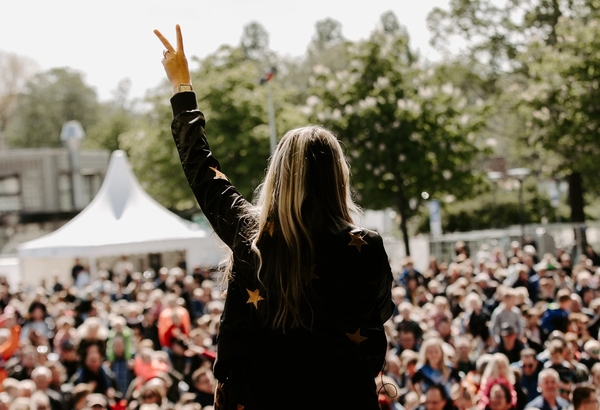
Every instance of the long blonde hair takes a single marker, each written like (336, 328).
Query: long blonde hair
(433, 342)
(306, 190)
(492, 370)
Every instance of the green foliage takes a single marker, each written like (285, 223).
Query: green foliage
(562, 96)
(235, 105)
(48, 101)
(153, 155)
(541, 61)
(407, 130)
(255, 41)
(328, 34)
(495, 209)
(116, 118)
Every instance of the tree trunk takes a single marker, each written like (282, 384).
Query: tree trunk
(577, 204)
(576, 197)
(402, 210)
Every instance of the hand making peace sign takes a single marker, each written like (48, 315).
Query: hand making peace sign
(174, 61)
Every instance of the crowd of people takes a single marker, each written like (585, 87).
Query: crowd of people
(123, 340)
(498, 330)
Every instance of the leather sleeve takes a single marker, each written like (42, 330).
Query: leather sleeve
(221, 203)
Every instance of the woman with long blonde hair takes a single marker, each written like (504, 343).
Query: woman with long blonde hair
(308, 292)
(434, 368)
(497, 371)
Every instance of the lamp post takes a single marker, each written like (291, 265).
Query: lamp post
(520, 174)
(71, 135)
(266, 79)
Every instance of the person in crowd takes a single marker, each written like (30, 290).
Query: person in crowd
(507, 313)
(42, 376)
(93, 371)
(94, 332)
(500, 398)
(556, 316)
(405, 322)
(530, 369)
(474, 321)
(534, 334)
(65, 330)
(39, 328)
(119, 329)
(584, 397)
(464, 364)
(591, 353)
(204, 384)
(437, 398)
(496, 372)
(409, 360)
(10, 339)
(549, 398)
(434, 368)
(393, 368)
(462, 398)
(410, 272)
(509, 345)
(173, 320)
(300, 229)
(28, 361)
(119, 364)
(387, 391)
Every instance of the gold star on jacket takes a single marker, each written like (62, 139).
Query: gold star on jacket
(356, 337)
(254, 297)
(357, 240)
(219, 174)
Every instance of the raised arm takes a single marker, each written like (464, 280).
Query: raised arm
(218, 198)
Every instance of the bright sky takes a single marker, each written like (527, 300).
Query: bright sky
(110, 40)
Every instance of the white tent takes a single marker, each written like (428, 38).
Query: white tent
(121, 220)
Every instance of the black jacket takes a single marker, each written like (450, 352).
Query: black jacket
(265, 368)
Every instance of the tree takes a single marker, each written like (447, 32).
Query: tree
(15, 71)
(496, 32)
(327, 48)
(562, 101)
(410, 135)
(328, 34)
(255, 41)
(48, 101)
(116, 117)
(500, 39)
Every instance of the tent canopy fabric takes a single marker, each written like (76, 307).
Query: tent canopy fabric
(123, 219)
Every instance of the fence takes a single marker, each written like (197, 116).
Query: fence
(545, 238)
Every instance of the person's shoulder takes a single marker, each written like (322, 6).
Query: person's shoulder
(354, 234)
(537, 402)
(365, 232)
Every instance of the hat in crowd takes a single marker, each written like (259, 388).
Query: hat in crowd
(96, 399)
(506, 329)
